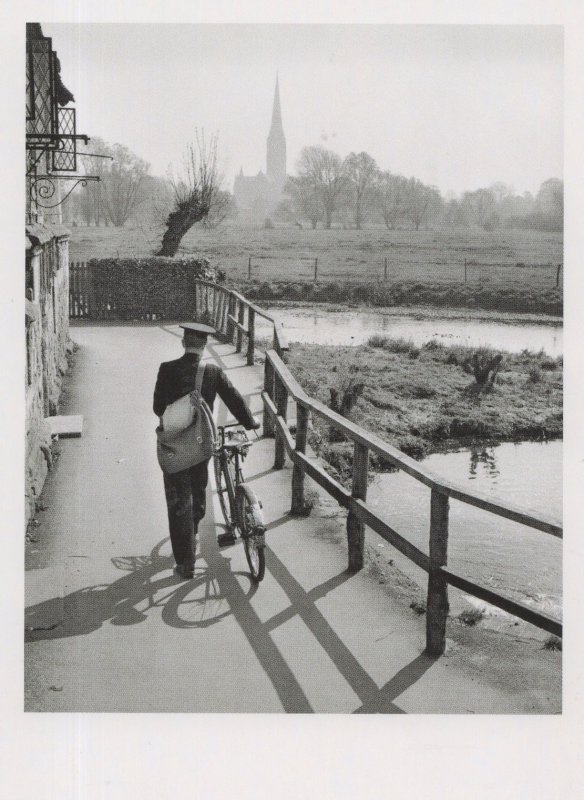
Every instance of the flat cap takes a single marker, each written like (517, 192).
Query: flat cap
(198, 327)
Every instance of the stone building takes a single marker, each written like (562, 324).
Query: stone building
(258, 195)
(50, 173)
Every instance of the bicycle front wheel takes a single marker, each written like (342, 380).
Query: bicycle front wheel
(250, 520)
(224, 485)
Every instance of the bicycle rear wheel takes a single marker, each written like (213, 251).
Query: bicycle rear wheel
(223, 490)
(250, 520)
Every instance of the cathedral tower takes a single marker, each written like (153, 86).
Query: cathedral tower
(276, 148)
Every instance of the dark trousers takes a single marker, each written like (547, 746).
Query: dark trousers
(185, 502)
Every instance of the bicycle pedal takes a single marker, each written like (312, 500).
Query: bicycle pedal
(225, 539)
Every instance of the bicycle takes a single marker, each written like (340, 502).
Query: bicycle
(239, 503)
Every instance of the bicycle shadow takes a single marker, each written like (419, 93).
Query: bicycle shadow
(128, 600)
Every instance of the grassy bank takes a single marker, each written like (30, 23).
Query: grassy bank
(535, 299)
(427, 399)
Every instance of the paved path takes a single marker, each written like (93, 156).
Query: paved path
(111, 629)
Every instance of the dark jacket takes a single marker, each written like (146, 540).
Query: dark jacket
(177, 378)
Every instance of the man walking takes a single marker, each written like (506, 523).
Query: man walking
(185, 490)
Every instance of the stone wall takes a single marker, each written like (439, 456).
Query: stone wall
(47, 340)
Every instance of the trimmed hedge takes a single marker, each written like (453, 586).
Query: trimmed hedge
(141, 288)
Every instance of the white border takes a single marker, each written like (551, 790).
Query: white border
(153, 757)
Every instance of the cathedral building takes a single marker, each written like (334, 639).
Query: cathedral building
(258, 195)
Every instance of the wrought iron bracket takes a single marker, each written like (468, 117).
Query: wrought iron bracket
(53, 138)
(43, 187)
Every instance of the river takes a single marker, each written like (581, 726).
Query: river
(319, 326)
(504, 555)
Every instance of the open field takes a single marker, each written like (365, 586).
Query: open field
(495, 260)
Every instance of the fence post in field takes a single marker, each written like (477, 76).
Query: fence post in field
(282, 408)
(249, 269)
(268, 423)
(465, 270)
(298, 471)
(250, 336)
(356, 528)
(315, 270)
(437, 600)
(385, 269)
(240, 319)
(558, 275)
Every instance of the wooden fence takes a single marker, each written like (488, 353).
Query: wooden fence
(279, 387)
(234, 318)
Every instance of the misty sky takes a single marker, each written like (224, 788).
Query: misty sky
(457, 106)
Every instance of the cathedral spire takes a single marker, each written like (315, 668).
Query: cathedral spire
(276, 111)
(276, 149)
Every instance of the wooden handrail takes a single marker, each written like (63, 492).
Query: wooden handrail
(229, 310)
(280, 385)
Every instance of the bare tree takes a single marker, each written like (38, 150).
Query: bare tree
(116, 195)
(480, 205)
(223, 207)
(390, 195)
(121, 184)
(420, 199)
(361, 170)
(324, 170)
(95, 159)
(305, 199)
(194, 193)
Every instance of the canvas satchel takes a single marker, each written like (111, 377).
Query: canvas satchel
(190, 436)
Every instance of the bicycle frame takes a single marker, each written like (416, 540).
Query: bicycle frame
(228, 456)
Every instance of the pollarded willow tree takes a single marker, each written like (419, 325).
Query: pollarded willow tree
(195, 194)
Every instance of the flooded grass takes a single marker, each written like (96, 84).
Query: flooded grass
(433, 403)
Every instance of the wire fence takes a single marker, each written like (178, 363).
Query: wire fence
(307, 268)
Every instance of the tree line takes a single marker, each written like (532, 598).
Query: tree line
(326, 190)
(354, 190)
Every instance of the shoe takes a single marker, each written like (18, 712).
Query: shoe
(184, 571)
(227, 538)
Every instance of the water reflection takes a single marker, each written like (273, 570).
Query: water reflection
(486, 457)
(503, 554)
(355, 327)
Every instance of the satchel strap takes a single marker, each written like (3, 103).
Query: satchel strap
(199, 376)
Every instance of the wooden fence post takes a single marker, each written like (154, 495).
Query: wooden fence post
(268, 424)
(250, 336)
(230, 312)
(558, 275)
(282, 407)
(465, 270)
(385, 269)
(218, 310)
(437, 601)
(298, 471)
(315, 269)
(356, 528)
(240, 319)
(249, 269)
